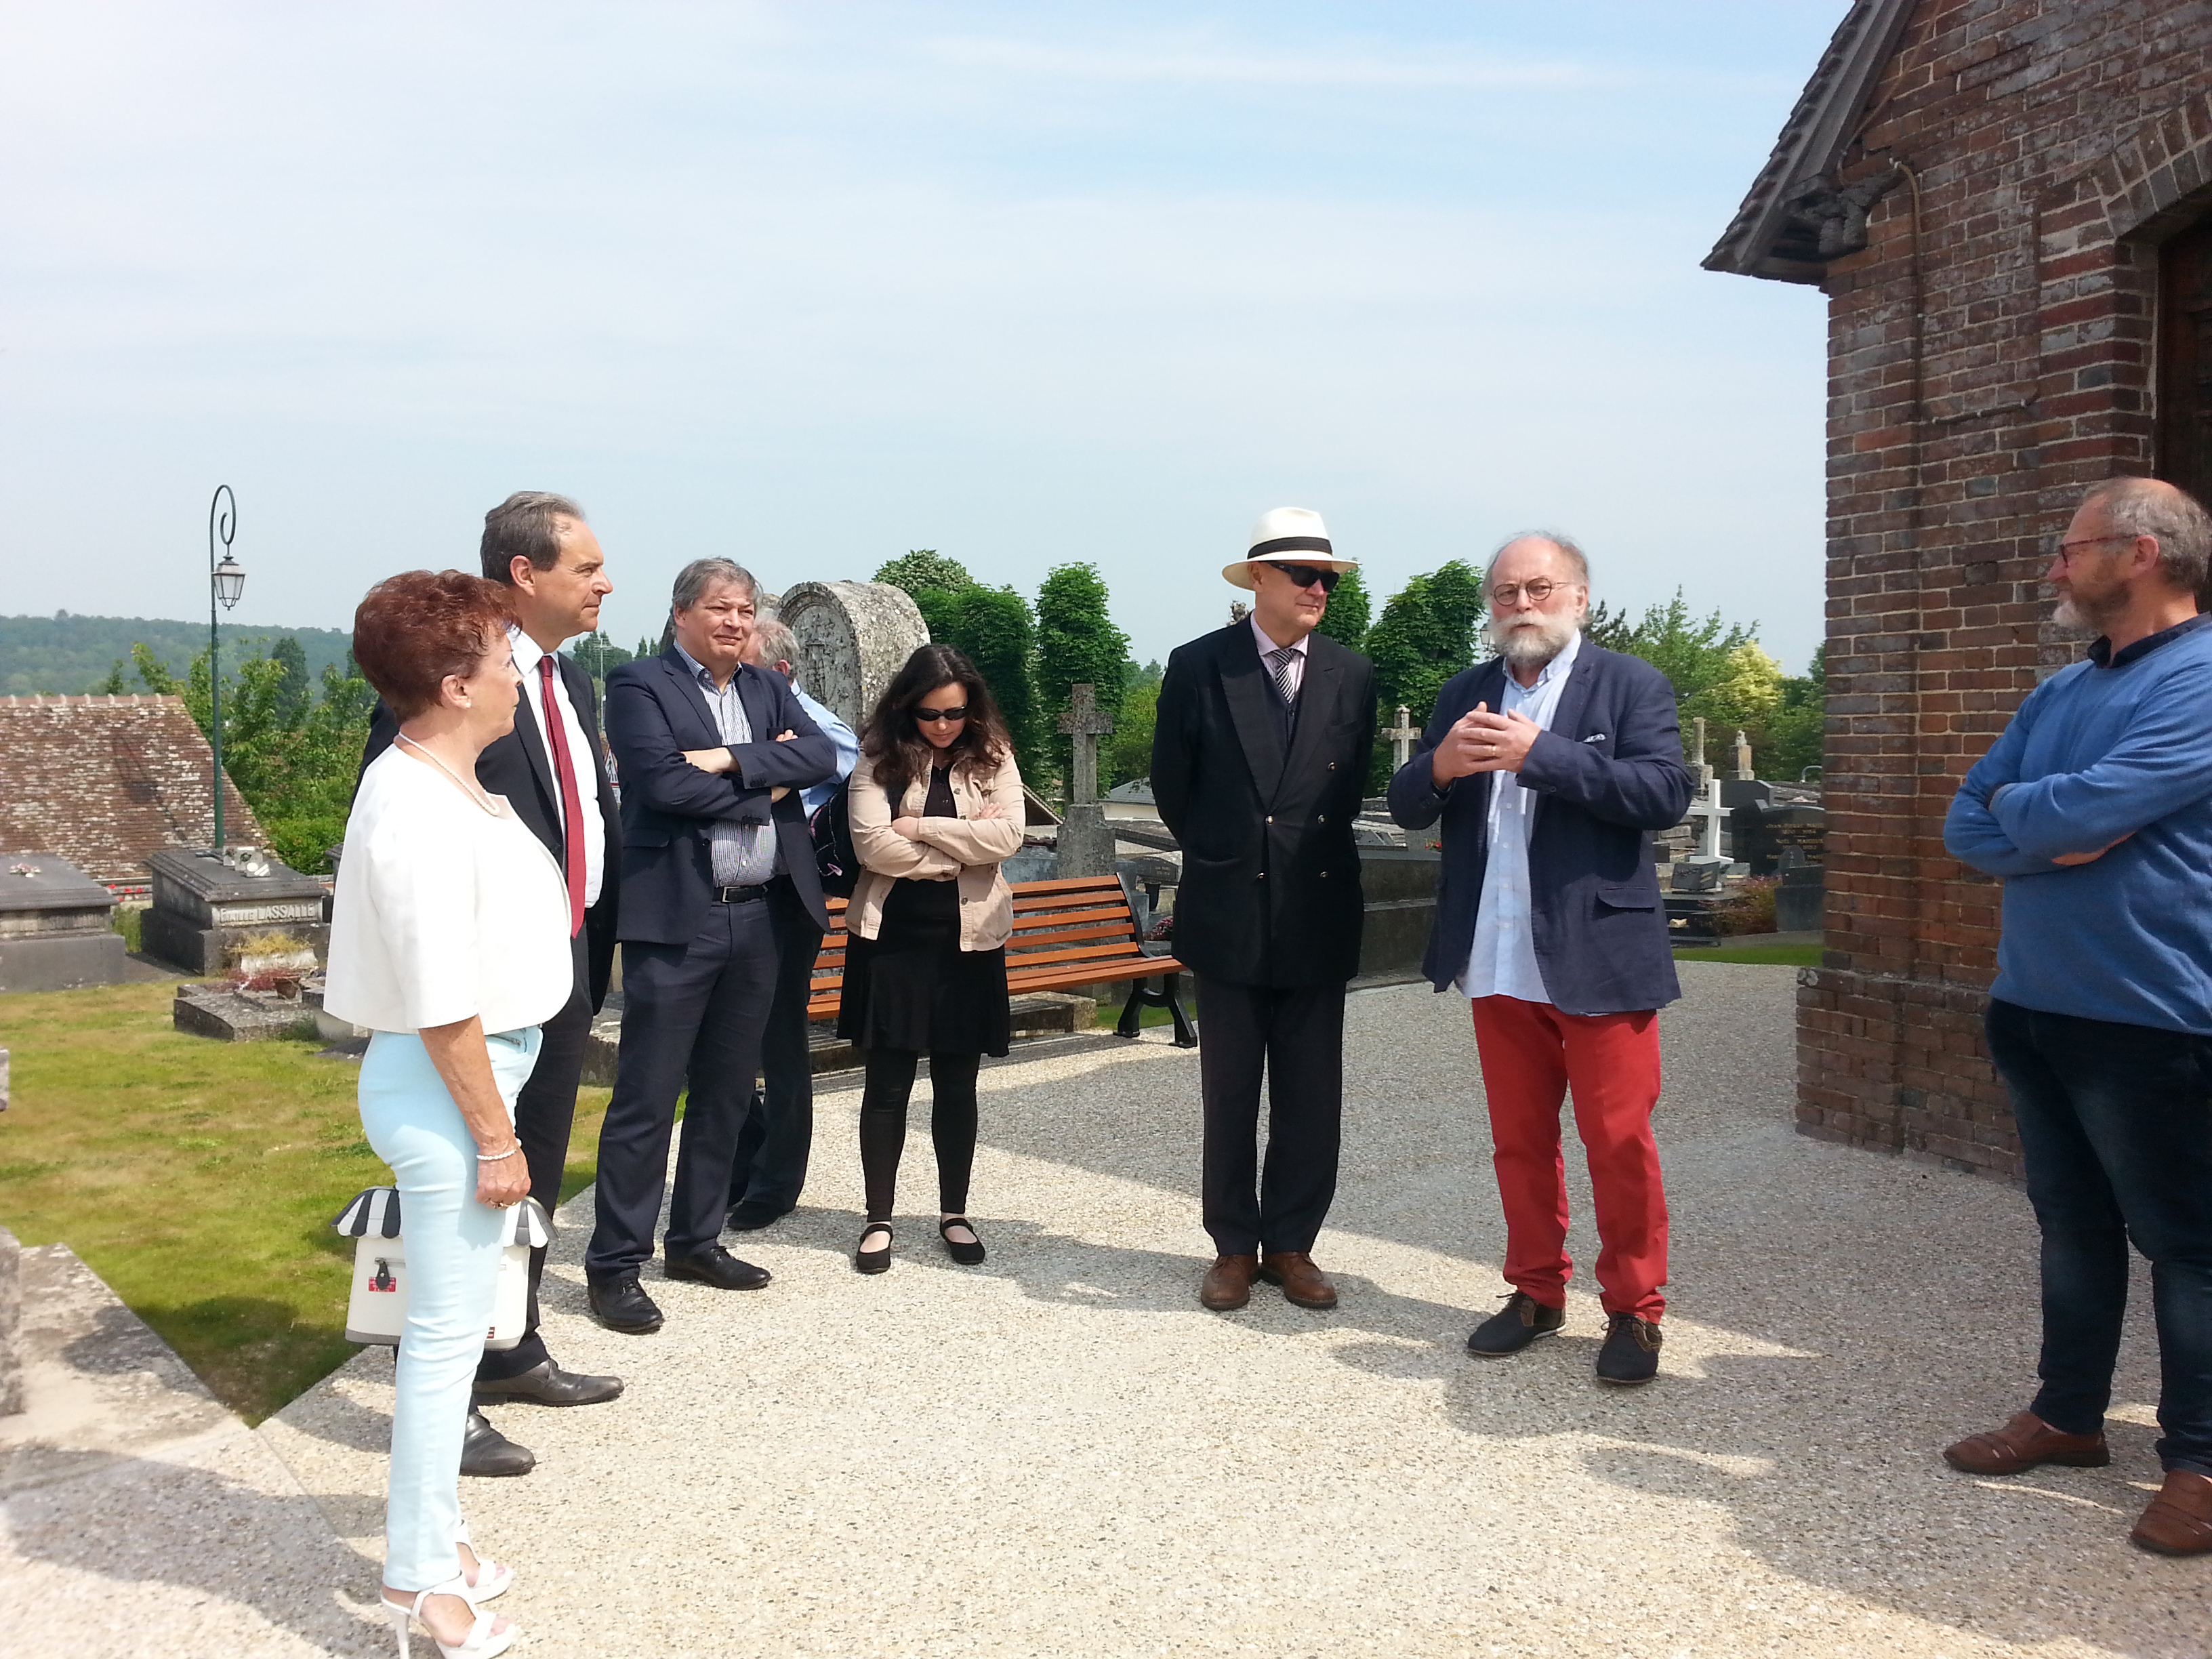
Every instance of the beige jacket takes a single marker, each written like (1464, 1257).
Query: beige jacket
(967, 848)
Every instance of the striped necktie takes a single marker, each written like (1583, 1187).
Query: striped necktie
(1281, 660)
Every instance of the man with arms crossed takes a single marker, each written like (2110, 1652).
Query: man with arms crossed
(717, 880)
(553, 771)
(1551, 765)
(2095, 808)
(1259, 762)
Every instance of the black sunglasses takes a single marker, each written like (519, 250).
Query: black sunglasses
(1305, 576)
(934, 715)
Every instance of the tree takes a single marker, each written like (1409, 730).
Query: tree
(933, 582)
(1425, 635)
(1694, 654)
(596, 654)
(1349, 613)
(1132, 742)
(993, 627)
(1076, 644)
(1797, 732)
(294, 691)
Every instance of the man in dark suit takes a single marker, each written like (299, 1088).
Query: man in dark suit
(1258, 761)
(718, 879)
(553, 771)
(1551, 765)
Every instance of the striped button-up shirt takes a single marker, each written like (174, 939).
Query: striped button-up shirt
(746, 854)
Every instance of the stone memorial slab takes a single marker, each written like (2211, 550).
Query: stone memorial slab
(210, 912)
(1800, 900)
(853, 637)
(1086, 842)
(55, 931)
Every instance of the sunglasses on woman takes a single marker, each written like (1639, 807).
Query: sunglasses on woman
(1305, 576)
(935, 715)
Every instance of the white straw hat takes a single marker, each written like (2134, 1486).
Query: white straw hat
(1287, 535)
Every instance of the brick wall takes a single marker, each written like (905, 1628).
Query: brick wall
(2053, 143)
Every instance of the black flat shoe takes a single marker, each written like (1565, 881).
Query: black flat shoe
(1513, 1326)
(966, 1255)
(547, 1384)
(486, 1451)
(874, 1262)
(620, 1303)
(717, 1267)
(1631, 1353)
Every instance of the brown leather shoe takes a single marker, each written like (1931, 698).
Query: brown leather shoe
(2023, 1444)
(2180, 1519)
(1303, 1283)
(1228, 1284)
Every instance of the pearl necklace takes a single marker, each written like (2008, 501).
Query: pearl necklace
(473, 792)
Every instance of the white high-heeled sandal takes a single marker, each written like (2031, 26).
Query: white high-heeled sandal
(483, 1642)
(492, 1580)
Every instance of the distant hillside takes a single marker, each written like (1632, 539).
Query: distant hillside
(69, 654)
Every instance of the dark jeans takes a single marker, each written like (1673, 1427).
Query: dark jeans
(770, 1171)
(543, 1112)
(695, 1012)
(1294, 1036)
(952, 1114)
(2116, 1124)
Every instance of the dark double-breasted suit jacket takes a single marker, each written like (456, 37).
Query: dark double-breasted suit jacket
(517, 767)
(1263, 808)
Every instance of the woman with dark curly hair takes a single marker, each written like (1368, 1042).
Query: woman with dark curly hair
(936, 806)
(449, 942)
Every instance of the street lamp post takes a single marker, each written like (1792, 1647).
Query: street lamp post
(226, 582)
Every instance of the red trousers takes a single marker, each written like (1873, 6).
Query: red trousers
(1532, 1054)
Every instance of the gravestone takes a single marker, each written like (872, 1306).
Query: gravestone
(55, 927)
(209, 910)
(1743, 757)
(1800, 899)
(1403, 738)
(853, 638)
(1086, 842)
(11, 1322)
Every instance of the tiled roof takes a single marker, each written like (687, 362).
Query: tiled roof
(1768, 238)
(102, 781)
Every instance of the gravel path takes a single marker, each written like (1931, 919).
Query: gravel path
(1059, 1453)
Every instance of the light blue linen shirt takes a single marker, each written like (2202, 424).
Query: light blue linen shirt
(744, 854)
(1503, 960)
(816, 796)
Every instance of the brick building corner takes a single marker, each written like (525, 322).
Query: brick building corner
(2008, 204)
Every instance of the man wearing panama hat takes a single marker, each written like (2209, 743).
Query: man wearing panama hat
(1258, 763)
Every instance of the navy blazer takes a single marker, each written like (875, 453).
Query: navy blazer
(517, 767)
(655, 711)
(1609, 771)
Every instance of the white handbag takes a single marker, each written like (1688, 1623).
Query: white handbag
(377, 1310)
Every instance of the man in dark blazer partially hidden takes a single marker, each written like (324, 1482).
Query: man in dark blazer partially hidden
(554, 774)
(1550, 766)
(718, 879)
(1258, 761)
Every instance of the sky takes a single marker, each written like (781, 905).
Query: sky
(809, 285)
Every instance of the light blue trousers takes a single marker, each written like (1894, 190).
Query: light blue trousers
(453, 1274)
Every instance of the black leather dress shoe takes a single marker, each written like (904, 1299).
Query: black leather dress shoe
(751, 1218)
(717, 1267)
(1630, 1354)
(1513, 1326)
(486, 1451)
(549, 1385)
(620, 1303)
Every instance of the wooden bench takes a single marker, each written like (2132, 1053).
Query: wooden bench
(1067, 933)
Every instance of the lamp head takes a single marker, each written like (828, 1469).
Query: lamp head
(229, 582)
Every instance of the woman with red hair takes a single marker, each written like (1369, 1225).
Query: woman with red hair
(449, 941)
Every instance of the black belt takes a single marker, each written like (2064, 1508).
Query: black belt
(740, 895)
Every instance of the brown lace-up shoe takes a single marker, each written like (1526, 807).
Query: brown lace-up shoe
(1303, 1283)
(2026, 1443)
(1227, 1283)
(2180, 1519)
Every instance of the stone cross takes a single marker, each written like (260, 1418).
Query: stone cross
(1086, 725)
(1401, 738)
(1743, 756)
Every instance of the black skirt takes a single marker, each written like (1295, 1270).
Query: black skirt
(912, 987)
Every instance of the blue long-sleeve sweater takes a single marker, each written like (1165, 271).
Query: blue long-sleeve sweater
(2100, 750)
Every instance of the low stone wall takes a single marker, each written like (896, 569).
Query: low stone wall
(1400, 884)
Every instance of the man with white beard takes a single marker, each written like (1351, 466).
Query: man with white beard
(1550, 766)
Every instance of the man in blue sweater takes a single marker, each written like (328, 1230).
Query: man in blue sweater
(2095, 809)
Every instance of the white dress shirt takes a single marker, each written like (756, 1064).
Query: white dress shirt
(588, 780)
(1296, 666)
(443, 910)
(1503, 962)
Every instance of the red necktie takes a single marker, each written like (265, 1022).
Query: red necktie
(572, 807)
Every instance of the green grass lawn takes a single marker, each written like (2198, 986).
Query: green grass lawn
(199, 1179)
(1770, 956)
